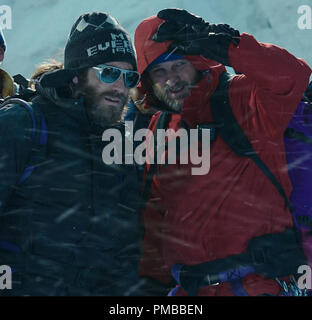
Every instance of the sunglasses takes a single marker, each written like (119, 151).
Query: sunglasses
(110, 74)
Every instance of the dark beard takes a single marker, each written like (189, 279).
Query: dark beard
(103, 115)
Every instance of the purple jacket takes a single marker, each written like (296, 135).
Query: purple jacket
(299, 159)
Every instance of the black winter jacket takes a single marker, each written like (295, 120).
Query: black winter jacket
(72, 227)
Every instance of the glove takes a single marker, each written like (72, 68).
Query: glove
(191, 35)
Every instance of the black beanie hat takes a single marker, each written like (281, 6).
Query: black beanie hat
(94, 39)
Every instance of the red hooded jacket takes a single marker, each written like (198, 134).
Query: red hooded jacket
(192, 219)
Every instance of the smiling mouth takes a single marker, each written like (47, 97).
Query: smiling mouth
(177, 90)
(112, 100)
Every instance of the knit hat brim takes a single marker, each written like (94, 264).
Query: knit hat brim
(165, 57)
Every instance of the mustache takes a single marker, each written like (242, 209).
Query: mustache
(90, 93)
(114, 94)
(181, 83)
(111, 93)
(164, 95)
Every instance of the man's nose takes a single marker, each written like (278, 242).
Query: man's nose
(172, 78)
(119, 85)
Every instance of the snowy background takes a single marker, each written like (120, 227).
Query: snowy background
(40, 27)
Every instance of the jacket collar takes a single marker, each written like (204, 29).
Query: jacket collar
(74, 108)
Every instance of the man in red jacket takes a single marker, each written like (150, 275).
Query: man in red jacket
(192, 219)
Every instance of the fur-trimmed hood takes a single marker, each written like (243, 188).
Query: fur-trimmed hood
(6, 84)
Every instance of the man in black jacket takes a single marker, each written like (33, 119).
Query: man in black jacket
(69, 222)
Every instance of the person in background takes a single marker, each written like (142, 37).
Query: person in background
(43, 68)
(298, 147)
(6, 82)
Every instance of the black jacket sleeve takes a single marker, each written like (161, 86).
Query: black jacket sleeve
(15, 146)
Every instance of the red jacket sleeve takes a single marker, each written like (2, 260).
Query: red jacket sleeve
(274, 81)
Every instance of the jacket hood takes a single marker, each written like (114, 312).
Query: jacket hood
(60, 98)
(52, 94)
(148, 50)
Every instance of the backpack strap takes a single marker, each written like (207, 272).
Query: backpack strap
(230, 131)
(39, 133)
(233, 134)
(162, 123)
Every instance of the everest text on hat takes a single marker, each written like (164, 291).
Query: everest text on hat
(119, 43)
